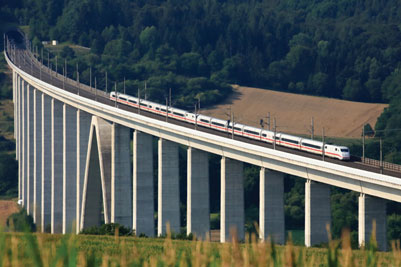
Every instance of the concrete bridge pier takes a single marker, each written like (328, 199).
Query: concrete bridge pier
(30, 149)
(168, 187)
(232, 213)
(69, 167)
(317, 212)
(46, 162)
(372, 209)
(57, 167)
(271, 206)
(198, 211)
(20, 140)
(121, 181)
(83, 127)
(37, 151)
(96, 195)
(143, 206)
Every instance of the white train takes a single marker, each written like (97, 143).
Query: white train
(282, 139)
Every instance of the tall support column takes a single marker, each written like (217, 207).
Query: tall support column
(317, 212)
(30, 149)
(23, 169)
(198, 214)
(271, 206)
(69, 167)
(46, 162)
(232, 213)
(37, 151)
(83, 127)
(168, 187)
(121, 182)
(20, 140)
(57, 167)
(372, 209)
(143, 207)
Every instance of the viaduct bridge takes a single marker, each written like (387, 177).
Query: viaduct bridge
(73, 151)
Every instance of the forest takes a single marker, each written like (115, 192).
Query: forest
(346, 49)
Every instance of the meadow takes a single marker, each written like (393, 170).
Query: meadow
(27, 249)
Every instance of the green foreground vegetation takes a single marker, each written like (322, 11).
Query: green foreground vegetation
(26, 249)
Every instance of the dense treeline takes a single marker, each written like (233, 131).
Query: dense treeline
(337, 49)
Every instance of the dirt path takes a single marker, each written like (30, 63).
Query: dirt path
(293, 112)
(7, 207)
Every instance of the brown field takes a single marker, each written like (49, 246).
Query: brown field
(7, 207)
(294, 112)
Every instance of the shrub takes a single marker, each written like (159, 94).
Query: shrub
(21, 222)
(108, 229)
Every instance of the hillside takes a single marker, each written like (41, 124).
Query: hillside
(293, 112)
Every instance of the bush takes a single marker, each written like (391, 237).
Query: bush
(21, 222)
(108, 229)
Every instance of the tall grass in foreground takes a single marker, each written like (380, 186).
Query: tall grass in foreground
(28, 249)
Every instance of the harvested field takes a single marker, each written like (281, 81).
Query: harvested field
(294, 112)
(7, 207)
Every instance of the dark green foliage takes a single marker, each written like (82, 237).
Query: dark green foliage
(368, 130)
(344, 210)
(108, 229)
(8, 173)
(21, 222)
(394, 227)
(5, 87)
(334, 49)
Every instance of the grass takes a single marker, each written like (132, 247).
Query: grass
(27, 249)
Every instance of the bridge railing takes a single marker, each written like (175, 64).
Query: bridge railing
(377, 163)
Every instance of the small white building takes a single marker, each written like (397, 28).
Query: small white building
(54, 42)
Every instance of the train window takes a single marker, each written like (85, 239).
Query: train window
(251, 132)
(237, 128)
(218, 124)
(132, 101)
(290, 141)
(229, 127)
(203, 120)
(157, 108)
(344, 149)
(178, 114)
(264, 135)
(312, 146)
(163, 110)
(122, 98)
(144, 105)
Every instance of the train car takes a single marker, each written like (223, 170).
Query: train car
(191, 117)
(267, 136)
(252, 132)
(203, 120)
(238, 128)
(177, 114)
(290, 141)
(218, 124)
(338, 152)
(311, 146)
